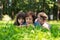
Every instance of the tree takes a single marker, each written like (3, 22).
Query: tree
(11, 7)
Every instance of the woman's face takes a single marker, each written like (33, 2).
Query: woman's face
(29, 20)
(40, 20)
(20, 21)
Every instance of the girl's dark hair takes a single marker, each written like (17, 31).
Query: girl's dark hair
(30, 13)
(19, 16)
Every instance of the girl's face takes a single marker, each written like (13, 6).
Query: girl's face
(29, 20)
(20, 21)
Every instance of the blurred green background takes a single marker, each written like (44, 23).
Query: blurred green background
(12, 7)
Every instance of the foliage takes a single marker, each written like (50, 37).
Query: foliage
(8, 31)
(10, 6)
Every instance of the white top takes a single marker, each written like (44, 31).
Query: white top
(46, 25)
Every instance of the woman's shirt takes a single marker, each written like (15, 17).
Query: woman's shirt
(45, 25)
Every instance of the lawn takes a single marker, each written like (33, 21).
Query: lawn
(8, 31)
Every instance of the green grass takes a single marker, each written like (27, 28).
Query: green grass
(10, 32)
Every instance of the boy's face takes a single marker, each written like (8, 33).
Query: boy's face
(29, 20)
(21, 21)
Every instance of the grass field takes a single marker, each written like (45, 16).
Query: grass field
(10, 32)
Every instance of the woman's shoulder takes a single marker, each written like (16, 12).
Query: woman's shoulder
(37, 23)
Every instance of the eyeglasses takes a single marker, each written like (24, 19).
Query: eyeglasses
(42, 18)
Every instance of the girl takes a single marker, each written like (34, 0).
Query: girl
(20, 19)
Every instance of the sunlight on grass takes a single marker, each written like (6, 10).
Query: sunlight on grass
(6, 18)
(8, 31)
(54, 22)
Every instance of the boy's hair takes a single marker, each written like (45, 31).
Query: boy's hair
(43, 15)
(30, 13)
(20, 15)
